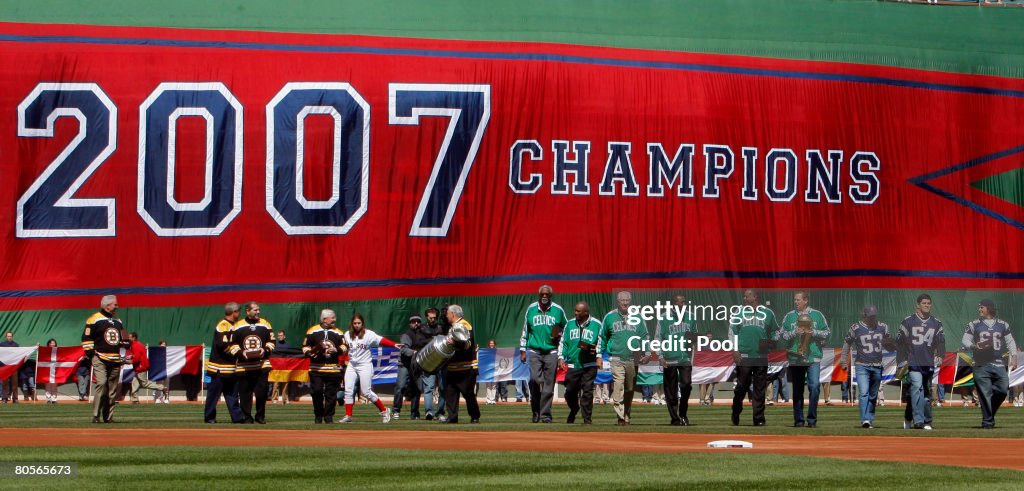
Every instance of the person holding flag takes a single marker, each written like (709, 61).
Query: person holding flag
(542, 328)
(139, 358)
(360, 340)
(577, 354)
(754, 335)
(991, 340)
(920, 342)
(102, 340)
(51, 386)
(868, 339)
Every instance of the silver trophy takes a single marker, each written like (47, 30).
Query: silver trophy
(441, 348)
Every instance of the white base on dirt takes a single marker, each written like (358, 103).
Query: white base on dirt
(730, 444)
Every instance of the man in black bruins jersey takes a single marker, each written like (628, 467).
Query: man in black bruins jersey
(102, 340)
(221, 369)
(251, 343)
(323, 344)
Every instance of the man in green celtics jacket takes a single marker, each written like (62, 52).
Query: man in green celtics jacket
(677, 362)
(615, 334)
(542, 330)
(577, 353)
(755, 328)
(804, 370)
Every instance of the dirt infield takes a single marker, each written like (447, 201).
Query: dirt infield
(903, 449)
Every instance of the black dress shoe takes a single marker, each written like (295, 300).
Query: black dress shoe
(545, 420)
(96, 419)
(735, 419)
(328, 420)
(686, 422)
(474, 421)
(812, 425)
(588, 422)
(261, 421)
(676, 422)
(318, 421)
(570, 420)
(798, 425)
(536, 418)
(211, 421)
(759, 423)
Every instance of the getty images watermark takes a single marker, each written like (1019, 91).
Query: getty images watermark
(665, 311)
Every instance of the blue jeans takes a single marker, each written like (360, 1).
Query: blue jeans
(522, 389)
(868, 380)
(811, 376)
(226, 386)
(427, 382)
(993, 385)
(920, 408)
(647, 391)
(781, 387)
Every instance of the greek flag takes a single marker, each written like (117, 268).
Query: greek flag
(385, 365)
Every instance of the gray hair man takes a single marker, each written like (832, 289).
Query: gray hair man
(543, 324)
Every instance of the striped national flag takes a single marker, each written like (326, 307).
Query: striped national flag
(288, 365)
(385, 365)
(501, 365)
(167, 361)
(11, 360)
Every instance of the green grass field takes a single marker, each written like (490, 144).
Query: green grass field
(950, 421)
(308, 469)
(311, 468)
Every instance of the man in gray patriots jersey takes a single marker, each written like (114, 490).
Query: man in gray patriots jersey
(867, 339)
(994, 349)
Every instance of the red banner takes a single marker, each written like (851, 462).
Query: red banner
(186, 166)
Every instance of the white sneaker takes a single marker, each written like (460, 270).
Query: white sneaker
(385, 416)
(395, 414)
(866, 424)
(346, 419)
(927, 428)
(442, 419)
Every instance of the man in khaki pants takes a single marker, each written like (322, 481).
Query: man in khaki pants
(140, 364)
(102, 341)
(615, 334)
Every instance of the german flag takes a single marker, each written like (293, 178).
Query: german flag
(288, 365)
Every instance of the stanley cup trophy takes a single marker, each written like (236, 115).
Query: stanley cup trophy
(441, 348)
